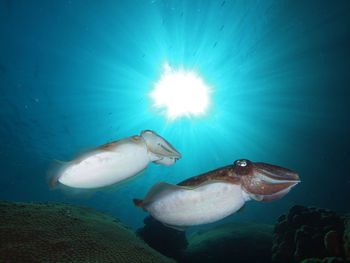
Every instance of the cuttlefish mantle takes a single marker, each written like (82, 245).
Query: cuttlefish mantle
(117, 161)
(214, 195)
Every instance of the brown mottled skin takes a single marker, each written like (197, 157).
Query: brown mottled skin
(110, 146)
(107, 146)
(254, 178)
(225, 173)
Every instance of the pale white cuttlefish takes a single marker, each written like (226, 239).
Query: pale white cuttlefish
(214, 195)
(117, 161)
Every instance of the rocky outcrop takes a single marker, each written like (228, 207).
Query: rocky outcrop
(346, 238)
(306, 233)
(325, 260)
(57, 232)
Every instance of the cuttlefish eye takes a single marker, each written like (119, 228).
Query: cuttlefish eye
(242, 163)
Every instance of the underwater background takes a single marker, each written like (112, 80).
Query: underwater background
(78, 74)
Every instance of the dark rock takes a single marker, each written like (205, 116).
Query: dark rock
(306, 233)
(325, 260)
(334, 260)
(282, 218)
(295, 210)
(347, 238)
(308, 244)
(312, 260)
(285, 252)
(333, 243)
(168, 241)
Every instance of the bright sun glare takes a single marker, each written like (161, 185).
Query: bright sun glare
(180, 93)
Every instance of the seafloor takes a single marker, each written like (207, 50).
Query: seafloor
(59, 232)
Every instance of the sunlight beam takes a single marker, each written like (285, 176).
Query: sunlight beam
(180, 93)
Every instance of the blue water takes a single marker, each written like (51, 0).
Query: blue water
(78, 74)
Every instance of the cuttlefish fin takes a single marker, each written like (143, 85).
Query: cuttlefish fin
(158, 189)
(77, 156)
(115, 187)
(162, 189)
(74, 161)
(110, 146)
(179, 228)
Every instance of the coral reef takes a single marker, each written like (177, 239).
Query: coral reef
(57, 232)
(325, 260)
(232, 242)
(347, 237)
(308, 233)
(168, 241)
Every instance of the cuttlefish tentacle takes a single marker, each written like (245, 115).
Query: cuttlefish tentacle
(160, 150)
(265, 181)
(214, 195)
(116, 161)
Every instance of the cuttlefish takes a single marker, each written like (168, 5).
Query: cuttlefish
(214, 195)
(117, 161)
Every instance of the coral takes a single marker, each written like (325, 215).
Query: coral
(312, 260)
(168, 241)
(57, 232)
(347, 238)
(333, 243)
(325, 260)
(306, 233)
(232, 242)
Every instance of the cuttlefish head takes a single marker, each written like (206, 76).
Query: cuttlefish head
(159, 149)
(265, 182)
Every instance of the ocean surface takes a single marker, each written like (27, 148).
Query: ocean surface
(77, 74)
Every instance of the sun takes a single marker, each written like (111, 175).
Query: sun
(180, 93)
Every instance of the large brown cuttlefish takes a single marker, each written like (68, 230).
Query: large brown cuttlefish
(214, 195)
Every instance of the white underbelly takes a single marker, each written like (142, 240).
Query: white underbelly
(104, 168)
(202, 205)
